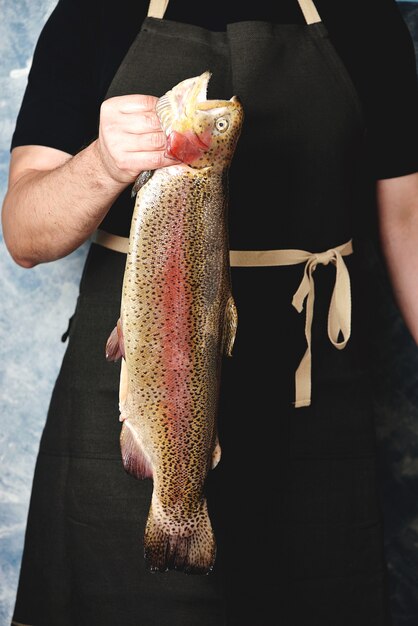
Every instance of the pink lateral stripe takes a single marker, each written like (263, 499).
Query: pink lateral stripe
(176, 308)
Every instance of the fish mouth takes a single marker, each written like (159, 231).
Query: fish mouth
(179, 104)
(176, 111)
(198, 93)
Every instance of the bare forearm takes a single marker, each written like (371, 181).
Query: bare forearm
(48, 214)
(55, 201)
(399, 240)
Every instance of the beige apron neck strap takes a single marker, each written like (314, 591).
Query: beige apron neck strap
(309, 11)
(157, 8)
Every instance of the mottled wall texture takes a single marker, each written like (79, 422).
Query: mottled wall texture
(34, 309)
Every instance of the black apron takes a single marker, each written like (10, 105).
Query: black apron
(294, 500)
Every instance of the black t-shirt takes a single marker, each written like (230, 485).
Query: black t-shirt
(84, 41)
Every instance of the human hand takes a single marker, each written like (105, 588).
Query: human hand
(130, 137)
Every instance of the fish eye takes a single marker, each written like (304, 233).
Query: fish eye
(221, 124)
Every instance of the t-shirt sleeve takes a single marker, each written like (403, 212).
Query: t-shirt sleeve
(376, 44)
(60, 105)
(393, 130)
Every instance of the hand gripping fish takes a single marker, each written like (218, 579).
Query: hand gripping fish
(178, 318)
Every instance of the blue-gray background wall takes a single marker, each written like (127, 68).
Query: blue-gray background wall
(34, 309)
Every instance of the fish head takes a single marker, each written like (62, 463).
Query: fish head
(199, 132)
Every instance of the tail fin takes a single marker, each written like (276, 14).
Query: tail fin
(191, 550)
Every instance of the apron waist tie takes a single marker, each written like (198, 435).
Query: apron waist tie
(339, 314)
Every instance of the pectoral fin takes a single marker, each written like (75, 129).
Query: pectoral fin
(230, 326)
(142, 179)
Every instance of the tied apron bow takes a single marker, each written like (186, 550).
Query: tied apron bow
(339, 316)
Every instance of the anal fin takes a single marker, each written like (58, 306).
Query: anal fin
(115, 347)
(135, 461)
(123, 387)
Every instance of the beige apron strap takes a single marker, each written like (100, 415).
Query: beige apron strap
(113, 242)
(310, 12)
(157, 8)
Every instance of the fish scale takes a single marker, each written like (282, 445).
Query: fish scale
(177, 320)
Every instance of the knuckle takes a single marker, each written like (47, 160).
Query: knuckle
(151, 121)
(148, 102)
(157, 140)
(157, 159)
(114, 102)
(107, 127)
(105, 108)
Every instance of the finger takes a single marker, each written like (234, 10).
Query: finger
(140, 161)
(138, 124)
(135, 103)
(145, 142)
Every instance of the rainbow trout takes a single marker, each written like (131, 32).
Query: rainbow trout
(178, 318)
